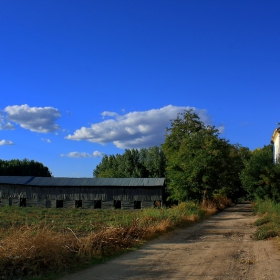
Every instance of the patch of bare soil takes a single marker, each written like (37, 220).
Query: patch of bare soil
(219, 248)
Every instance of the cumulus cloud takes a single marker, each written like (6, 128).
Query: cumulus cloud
(6, 126)
(37, 119)
(6, 142)
(135, 129)
(3, 124)
(83, 155)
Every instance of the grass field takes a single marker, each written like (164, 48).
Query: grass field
(39, 241)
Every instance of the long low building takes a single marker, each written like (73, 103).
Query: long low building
(105, 193)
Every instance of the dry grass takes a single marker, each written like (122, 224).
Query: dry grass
(37, 249)
(30, 250)
(33, 250)
(219, 202)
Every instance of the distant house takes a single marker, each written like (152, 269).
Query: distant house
(275, 140)
(51, 192)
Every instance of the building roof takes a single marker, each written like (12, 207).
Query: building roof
(15, 180)
(81, 182)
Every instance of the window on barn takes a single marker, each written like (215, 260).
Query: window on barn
(22, 202)
(157, 204)
(59, 204)
(78, 203)
(97, 204)
(117, 204)
(137, 204)
(10, 201)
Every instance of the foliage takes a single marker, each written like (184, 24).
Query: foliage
(238, 155)
(143, 163)
(25, 167)
(261, 177)
(199, 163)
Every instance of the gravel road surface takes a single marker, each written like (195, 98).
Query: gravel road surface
(219, 248)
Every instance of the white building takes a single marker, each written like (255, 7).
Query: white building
(275, 140)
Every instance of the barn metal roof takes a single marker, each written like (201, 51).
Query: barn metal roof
(15, 180)
(81, 182)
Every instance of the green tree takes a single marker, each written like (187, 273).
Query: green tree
(236, 163)
(261, 177)
(154, 162)
(143, 163)
(25, 167)
(198, 161)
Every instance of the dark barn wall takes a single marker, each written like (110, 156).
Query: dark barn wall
(43, 196)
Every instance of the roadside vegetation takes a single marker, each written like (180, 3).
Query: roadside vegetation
(38, 242)
(268, 222)
(261, 180)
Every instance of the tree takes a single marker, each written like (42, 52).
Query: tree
(238, 156)
(153, 161)
(261, 177)
(143, 163)
(25, 167)
(198, 161)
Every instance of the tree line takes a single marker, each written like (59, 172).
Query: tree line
(198, 164)
(143, 163)
(25, 167)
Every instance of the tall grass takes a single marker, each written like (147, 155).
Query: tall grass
(269, 221)
(35, 241)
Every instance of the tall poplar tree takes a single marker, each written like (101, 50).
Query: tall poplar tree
(133, 163)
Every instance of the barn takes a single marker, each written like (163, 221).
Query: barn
(96, 193)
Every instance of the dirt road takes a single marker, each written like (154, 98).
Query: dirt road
(219, 248)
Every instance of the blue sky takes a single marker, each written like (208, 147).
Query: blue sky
(80, 79)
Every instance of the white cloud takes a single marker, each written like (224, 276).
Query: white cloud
(97, 154)
(109, 114)
(134, 129)
(3, 125)
(38, 119)
(6, 126)
(76, 155)
(83, 155)
(221, 128)
(6, 142)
